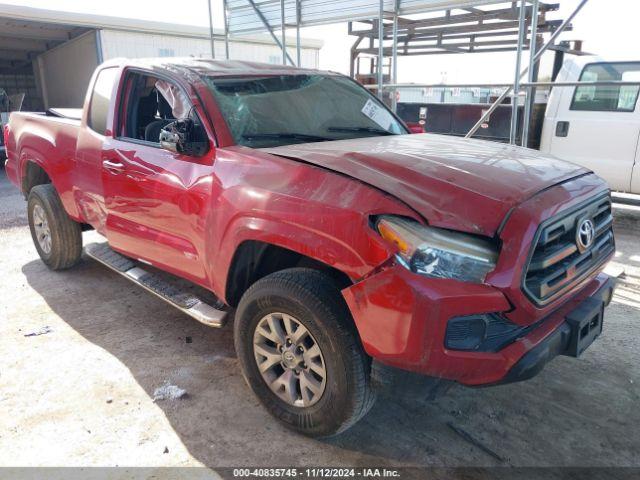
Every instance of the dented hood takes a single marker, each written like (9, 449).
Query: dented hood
(455, 183)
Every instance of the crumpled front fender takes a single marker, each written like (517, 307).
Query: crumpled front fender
(402, 316)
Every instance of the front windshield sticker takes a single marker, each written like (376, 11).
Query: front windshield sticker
(377, 114)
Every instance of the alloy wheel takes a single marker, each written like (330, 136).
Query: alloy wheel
(289, 359)
(41, 227)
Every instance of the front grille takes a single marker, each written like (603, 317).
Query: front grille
(558, 262)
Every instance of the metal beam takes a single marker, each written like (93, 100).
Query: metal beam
(380, 49)
(516, 83)
(213, 50)
(583, 83)
(269, 29)
(448, 30)
(537, 56)
(284, 38)
(298, 52)
(451, 47)
(354, 56)
(225, 14)
(448, 52)
(533, 72)
(394, 53)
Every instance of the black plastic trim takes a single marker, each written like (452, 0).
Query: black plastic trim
(559, 342)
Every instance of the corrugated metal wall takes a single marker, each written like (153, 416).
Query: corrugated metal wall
(132, 44)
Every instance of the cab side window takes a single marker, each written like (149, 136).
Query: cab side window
(152, 103)
(604, 98)
(100, 100)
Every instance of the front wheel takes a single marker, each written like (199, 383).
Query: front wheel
(300, 355)
(58, 239)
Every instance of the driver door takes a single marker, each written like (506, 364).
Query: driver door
(155, 199)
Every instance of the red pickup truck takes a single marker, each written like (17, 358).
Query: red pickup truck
(345, 244)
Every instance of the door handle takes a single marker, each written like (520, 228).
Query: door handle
(113, 167)
(562, 129)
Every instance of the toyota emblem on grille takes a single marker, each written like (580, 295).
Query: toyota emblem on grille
(585, 234)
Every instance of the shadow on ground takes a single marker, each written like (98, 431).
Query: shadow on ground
(576, 413)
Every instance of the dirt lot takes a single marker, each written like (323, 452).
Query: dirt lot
(82, 394)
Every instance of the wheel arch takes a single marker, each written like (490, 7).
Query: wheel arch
(35, 169)
(255, 259)
(33, 173)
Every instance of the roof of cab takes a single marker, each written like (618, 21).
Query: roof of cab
(214, 68)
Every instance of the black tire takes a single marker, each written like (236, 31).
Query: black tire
(313, 299)
(65, 234)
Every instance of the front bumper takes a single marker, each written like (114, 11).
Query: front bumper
(571, 338)
(402, 319)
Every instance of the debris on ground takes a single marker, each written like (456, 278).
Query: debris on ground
(43, 331)
(189, 339)
(168, 392)
(109, 400)
(166, 450)
(464, 434)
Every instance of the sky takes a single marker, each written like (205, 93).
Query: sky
(607, 27)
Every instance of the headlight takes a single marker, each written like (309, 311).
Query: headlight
(439, 253)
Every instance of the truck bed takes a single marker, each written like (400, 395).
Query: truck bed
(44, 139)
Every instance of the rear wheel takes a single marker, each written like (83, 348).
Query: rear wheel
(299, 352)
(57, 238)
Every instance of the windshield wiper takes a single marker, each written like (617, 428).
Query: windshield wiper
(377, 131)
(296, 136)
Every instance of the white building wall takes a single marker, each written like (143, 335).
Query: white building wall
(138, 45)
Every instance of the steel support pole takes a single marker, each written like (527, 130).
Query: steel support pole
(581, 83)
(530, 99)
(516, 81)
(225, 14)
(265, 22)
(284, 38)
(213, 50)
(394, 55)
(298, 49)
(543, 49)
(380, 50)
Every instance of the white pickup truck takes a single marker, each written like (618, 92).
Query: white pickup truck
(597, 126)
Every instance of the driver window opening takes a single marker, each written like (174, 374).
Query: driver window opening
(152, 104)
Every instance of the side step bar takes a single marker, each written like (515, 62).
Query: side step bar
(190, 304)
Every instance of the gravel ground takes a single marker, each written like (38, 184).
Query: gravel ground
(82, 394)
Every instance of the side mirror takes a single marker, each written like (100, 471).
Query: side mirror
(184, 137)
(415, 127)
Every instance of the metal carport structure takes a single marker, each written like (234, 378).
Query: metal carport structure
(484, 25)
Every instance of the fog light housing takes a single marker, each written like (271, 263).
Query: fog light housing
(466, 333)
(487, 332)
